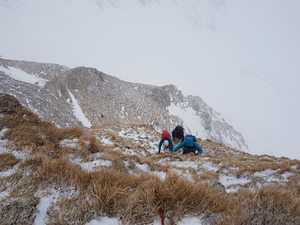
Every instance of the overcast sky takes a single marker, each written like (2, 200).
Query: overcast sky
(241, 56)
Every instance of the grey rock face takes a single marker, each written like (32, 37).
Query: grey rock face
(102, 98)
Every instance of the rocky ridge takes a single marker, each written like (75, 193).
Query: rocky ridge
(103, 98)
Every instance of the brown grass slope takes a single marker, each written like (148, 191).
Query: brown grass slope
(126, 179)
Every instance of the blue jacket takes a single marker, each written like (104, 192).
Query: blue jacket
(170, 144)
(188, 146)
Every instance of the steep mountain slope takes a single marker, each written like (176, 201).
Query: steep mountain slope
(113, 174)
(70, 97)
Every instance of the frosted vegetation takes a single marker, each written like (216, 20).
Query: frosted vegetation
(113, 175)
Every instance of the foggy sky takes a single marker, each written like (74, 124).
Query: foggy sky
(242, 57)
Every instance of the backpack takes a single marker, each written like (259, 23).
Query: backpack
(165, 134)
(179, 128)
(179, 131)
(188, 142)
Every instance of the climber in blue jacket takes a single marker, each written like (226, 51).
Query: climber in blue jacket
(189, 145)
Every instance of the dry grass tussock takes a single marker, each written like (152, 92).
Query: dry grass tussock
(247, 163)
(126, 183)
(7, 161)
(269, 205)
(175, 196)
(25, 130)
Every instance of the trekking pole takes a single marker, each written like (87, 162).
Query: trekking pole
(162, 216)
(161, 211)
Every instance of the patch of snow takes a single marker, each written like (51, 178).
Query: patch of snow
(286, 175)
(160, 174)
(3, 194)
(42, 208)
(9, 172)
(89, 166)
(106, 141)
(20, 154)
(230, 169)
(231, 179)
(266, 174)
(2, 132)
(21, 75)
(191, 220)
(164, 150)
(143, 167)
(192, 122)
(78, 112)
(209, 166)
(69, 142)
(105, 221)
(47, 199)
(185, 164)
(3, 149)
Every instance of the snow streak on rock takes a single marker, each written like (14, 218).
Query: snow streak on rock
(20, 75)
(78, 112)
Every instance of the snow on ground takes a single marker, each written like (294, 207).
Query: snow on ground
(69, 142)
(105, 221)
(3, 194)
(209, 166)
(90, 166)
(47, 199)
(9, 171)
(132, 133)
(3, 149)
(21, 75)
(106, 141)
(231, 179)
(191, 220)
(185, 164)
(78, 112)
(143, 167)
(228, 180)
(42, 208)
